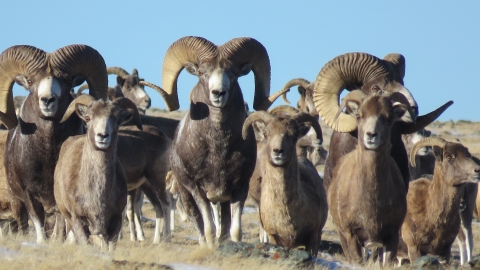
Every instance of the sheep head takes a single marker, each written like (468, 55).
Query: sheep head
(103, 118)
(281, 133)
(452, 159)
(305, 89)
(48, 77)
(372, 76)
(375, 116)
(218, 68)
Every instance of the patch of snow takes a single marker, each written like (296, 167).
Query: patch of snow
(183, 266)
(249, 210)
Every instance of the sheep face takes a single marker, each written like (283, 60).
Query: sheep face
(305, 103)
(132, 90)
(218, 79)
(457, 163)
(411, 139)
(281, 137)
(50, 93)
(103, 119)
(375, 118)
(384, 85)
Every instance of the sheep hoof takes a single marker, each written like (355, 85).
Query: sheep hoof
(372, 245)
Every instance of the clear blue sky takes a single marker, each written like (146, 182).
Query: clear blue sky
(439, 39)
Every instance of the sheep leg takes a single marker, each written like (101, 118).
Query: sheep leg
(216, 208)
(20, 214)
(466, 216)
(129, 212)
(414, 253)
(312, 243)
(159, 213)
(37, 215)
(181, 209)
(192, 211)
(351, 247)
(236, 223)
(390, 249)
(223, 228)
(462, 245)
(113, 231)
(173, 204)
(59, 229)
(206, 212)
(137, 213)
(79, 231)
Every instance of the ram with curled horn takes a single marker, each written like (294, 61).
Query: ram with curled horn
(35, 137)
(209, 157)
(372, 76)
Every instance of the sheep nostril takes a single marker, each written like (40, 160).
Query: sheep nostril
(477, 170)
(371, 135)
(218, 93)
(103, 136)
(47, 101)
(277, 151)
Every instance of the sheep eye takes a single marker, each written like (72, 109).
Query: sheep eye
(376, 88)
(87, 119)
(265, 134)
(29, 82)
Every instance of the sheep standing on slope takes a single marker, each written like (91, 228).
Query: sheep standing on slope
(89, 183)
(432, 221)
(367, 196)
(293, 206)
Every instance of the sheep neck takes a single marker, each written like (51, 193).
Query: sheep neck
(282, 183)
(372, 167)
(444, 199)
(97, 167)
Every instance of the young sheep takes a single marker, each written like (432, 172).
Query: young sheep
(367, 194)
(89, 183)
(432, 221)
(293, 208)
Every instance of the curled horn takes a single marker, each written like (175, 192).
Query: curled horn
(256, 116)
(397, 64)
(345, 71)
(299, 81)
(245, 50)
(82, 88)
(430, 141)
(81, 60)
(117, 71)
(424, 120)
(82, 99)
(283, 109)
(126, 103)
(186, 49)
(306, 118)
(156, 88)
(357, 95)
(17, 60)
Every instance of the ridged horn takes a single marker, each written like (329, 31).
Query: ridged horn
(17, 60)
(186, 49)
(357, 95)
(156, 88)
(304, 117)
(126, 103)
(430, 141)
(82, 88)
(424, 120)
(397, 65)
(248, 50)
(117, 71)
(283, 109)
(81, 60)
(256, 116)
(345, 71)
(82, 99)
(298, 81)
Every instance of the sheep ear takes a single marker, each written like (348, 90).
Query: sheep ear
(353, 107)
(120, 80)
(303, 130)
(22, 81)
(399, 110)
(245, 69)
(125, 115)
(301, 91)
(191, 68)
(81, 110)
(438, 153)
(259, 127)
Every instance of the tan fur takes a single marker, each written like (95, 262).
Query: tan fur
(432, 221)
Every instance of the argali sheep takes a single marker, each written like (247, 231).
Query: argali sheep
(35, 138)
(367, 193)
(371, 75)
(293, 205)
(432, 221)
(311, 146)
(89, 183)
(209, 157)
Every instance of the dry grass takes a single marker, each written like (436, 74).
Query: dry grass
(20, 252)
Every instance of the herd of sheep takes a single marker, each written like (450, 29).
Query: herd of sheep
(75, 163)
